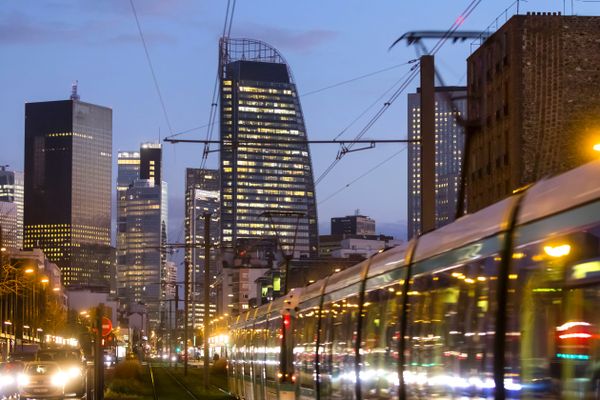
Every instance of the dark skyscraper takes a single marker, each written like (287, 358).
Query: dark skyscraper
(266, 172)
(68, 152)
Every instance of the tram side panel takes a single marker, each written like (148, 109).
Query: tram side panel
(451, 325)
(259, 340)
(553, 318)
(304, 342)
(273, 356)
(380, 335)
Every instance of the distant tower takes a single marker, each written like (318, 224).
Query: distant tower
(144, 275)
(74, 95)
(449, 143)
(68, 164)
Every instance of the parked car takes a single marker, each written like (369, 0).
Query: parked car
(41, 380)
(9, 371)
(72, 363)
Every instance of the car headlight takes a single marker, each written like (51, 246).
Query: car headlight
(58, 379)
(74, 372)
(6, 380)
(23, 379)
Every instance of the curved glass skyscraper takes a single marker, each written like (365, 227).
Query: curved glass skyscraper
(266, 172)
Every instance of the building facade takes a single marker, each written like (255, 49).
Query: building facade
(11, 214)
(144, 276)
(353, 225)
(68, 162)
(202, 196)
(267, 187)
(533, 103)
(450, 104)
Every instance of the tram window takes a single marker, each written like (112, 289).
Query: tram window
(338, 374)
(258, 350)
(553, 317)
(305, 338)
(380, 334)
(451, 326)
(247, 356)
(273, 348)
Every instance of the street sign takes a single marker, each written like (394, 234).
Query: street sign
(106, 326)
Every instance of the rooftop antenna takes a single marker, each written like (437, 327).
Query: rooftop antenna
(74, 95)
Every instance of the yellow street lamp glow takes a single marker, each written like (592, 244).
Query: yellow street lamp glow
(45, 280)
(56, 289)
(557, 251)
(83, 312)
(596, 147)
(29, 271)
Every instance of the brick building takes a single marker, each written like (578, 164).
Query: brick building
(533, 97)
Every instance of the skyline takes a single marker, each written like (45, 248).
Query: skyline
(320, 43)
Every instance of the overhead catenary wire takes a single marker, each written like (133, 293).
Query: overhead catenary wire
(149, 60)
(363, 175)
(413, 73)
(228, 22)
(351, 80)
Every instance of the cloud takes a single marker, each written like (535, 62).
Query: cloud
(18, 28)
(286, 39)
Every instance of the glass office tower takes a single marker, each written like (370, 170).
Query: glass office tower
(68, 161)
(267, 187)
(450, 103)
(202, 195)
(11, 196)
(144, 275)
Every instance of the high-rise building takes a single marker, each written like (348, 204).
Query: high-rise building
(353, 225)
(450, 103)
(68, 153)
(202, 196)
(11, 192)
(267, 187)
(533, 103)
(144, 276)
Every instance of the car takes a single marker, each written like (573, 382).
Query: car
(8, 378)
(72, 363)
(41, 380)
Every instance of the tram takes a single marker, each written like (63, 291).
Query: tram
(503, 303)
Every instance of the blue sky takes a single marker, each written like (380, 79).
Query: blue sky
(47, 44)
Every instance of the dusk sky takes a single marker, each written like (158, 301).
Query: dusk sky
(45, 45)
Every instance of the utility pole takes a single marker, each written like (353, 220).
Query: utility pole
(186, 309)
(98, 361)
(207, 216)
(427, 144)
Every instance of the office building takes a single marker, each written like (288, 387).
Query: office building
(144, 275)
(533, 103)
(353, 225)
(202, 196)
(67, 214)
(450, 104)
(266, 172)
(267, 188)
(11, 192)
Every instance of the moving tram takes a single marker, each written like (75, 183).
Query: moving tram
(503, 303)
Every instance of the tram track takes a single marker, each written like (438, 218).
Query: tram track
(159, 388)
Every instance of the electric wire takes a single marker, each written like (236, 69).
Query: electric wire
(160, 97)
(413, 73)
(356, 78)
(215, 98)
(362, 175)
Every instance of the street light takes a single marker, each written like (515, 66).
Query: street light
(596, 147)
(29, 271)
